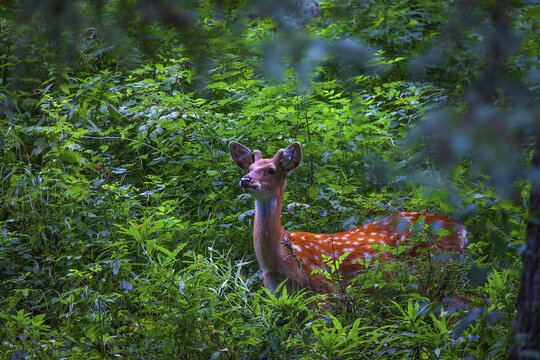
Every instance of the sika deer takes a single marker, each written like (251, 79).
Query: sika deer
(292, 256)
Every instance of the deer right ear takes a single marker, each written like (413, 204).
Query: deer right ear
(292, 157)
(241, 155)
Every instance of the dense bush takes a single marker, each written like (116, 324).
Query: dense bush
(123, 231)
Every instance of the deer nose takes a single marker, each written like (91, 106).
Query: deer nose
(245, 181)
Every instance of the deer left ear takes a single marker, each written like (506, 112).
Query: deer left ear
(292, 157)
(241, 155)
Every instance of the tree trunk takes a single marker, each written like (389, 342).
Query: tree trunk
(525, 341)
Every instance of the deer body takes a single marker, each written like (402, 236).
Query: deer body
(292, 256)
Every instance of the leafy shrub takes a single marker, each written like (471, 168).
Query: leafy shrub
(123, 232)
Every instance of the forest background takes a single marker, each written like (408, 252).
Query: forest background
(123, 232)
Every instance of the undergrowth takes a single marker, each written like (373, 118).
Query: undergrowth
(123, 232)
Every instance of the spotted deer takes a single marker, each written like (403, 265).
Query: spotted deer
(292, 256)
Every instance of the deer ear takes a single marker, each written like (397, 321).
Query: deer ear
(241, 155)
(292, 157)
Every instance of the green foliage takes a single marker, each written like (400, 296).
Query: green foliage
(122, 229)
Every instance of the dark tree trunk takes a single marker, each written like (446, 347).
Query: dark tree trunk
(525, 341)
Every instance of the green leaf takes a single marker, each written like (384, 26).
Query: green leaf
(64, 87)
(71, 157)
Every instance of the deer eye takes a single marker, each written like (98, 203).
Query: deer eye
(271, 171)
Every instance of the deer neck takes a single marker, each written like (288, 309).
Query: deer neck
(268, 232)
